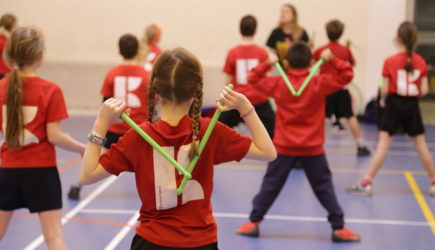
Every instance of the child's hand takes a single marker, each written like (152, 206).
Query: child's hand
(111, 110)
(348, 43)
(327, 55)
(233, 100)
(272, 58)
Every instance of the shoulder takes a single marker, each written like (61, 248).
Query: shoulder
(48, 85)
(113, 71)
(276, 31)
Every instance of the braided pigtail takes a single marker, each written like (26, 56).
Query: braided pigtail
(196, 115)
(151, 101)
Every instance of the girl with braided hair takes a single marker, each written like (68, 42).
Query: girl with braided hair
(169, 221)
(404, 81)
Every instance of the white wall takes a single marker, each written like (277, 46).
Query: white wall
(83, 32)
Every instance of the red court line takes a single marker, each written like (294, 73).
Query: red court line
(79, 219)
(69, 164)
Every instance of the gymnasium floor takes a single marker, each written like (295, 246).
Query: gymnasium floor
(391, 219)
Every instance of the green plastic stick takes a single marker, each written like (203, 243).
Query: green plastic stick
(201, 146)
(284, 77)
(308, 79)
(154, 144)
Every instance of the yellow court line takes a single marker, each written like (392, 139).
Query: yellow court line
(420, 200)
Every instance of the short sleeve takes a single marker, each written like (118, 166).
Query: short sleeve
(424, 68)
(385, 69)
(229, 66)
(304, 36)
(122, 156)
(231, 146)
(56, 109)
(107, 88)
(271, 41)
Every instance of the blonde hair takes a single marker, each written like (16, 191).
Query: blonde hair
(24, 47)
(296, 28)
(151, 36)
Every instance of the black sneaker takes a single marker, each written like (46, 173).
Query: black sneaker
(363, 151)
(74, 192)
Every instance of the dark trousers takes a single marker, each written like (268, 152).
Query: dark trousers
(141, 244)
(264, 111)
(318, 174)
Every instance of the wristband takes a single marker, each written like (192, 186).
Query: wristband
(97, 139)
(247, 113)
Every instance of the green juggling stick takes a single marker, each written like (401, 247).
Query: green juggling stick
(308, 79)
(284, 77)
(305, 83)
(201, 146)
(154, 144)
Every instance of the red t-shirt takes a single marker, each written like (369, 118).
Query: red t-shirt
(154, 52)
(240, 60)
(340, 51)
(167, 219)
(299, 126)
(43, 102)
(130, 84)
(402, 83)
(3, 68)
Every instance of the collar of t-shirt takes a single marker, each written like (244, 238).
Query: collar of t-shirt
(175, 135)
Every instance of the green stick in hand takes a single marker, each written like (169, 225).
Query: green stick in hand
(201, 146)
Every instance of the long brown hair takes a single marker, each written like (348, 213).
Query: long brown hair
(177, 77)
(408, 35)
(24, 47)
(296, 29)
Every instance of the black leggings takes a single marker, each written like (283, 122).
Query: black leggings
(139, 243)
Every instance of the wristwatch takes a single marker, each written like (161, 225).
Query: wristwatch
(97, 139)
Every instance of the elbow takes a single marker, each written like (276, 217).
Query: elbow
(272, 155)
(52, 138)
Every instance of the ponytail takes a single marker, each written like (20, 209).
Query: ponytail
(408, 34)
(14, 111)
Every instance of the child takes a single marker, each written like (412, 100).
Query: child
(299, 134)
(240, 60)
(340, 102)
(8, 22)
(404, 81)
(166, 220)
(33, 110)
(127, 82)
(149, 49)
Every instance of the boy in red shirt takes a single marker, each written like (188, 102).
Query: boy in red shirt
(340, 102)
(240, 60)
(128, 82)
(299, 135)
(8, 22)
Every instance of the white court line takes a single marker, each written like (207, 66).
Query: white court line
(122, 233)
(288, 218)
(107, 211)
(38, 241)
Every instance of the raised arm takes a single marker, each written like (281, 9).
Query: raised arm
(262, 147)
(92, 171)
(331, 83)
(257, 76)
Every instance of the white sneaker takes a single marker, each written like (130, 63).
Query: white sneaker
(432, 190)
(360, 189)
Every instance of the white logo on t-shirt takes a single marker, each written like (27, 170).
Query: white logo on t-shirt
(243, 67)
(406, 83)
(123, 88)
(165, 180)
(29, 113)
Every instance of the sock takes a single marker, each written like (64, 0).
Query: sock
(360, 142)
(366, 181)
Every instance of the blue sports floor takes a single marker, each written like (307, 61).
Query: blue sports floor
(396, 217)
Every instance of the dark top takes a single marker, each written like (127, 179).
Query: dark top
(278, 35)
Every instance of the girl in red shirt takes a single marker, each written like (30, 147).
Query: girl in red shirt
(150, 50)
(33, 110)
(8, 22)
(168, 220)
(404, 81)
